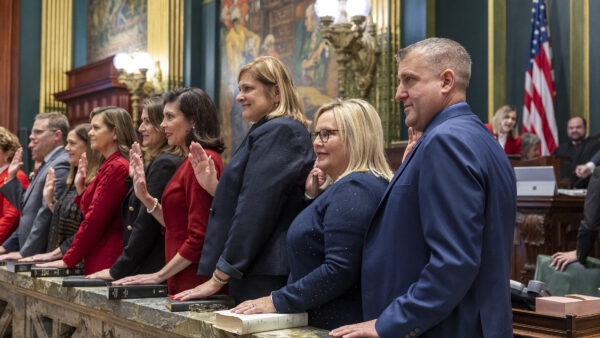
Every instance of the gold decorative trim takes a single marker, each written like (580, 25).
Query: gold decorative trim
(579, 59)
(166, 45)
(55, 56)
(430, 12)
(496, 55)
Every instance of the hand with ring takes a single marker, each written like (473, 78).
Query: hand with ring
(260, 305)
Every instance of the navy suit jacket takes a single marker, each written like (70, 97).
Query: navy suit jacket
(259, 194)
(436, 259)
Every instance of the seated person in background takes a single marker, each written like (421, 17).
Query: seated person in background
(46, 141)
(98, 241)
(324, 242)
(189, 116)
(66, 215)
(505, 129)
(9, 216)
(585, 170)
(143, 240)
(588, 229)
(530, 146)
(580, 148)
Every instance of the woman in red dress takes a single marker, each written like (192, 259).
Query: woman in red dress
(505, 129)
(189, 115)
(98, 241)
(9, 216)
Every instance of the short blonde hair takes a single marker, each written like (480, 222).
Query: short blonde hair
(360, 129)
(500, 115)
(119, 120)
(271, 72)
(9, 142)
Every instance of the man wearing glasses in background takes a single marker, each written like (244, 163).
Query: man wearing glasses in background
(46, 142)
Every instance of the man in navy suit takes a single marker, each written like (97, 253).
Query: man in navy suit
(436, 260)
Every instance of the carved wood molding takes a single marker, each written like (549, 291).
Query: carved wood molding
(532, 228)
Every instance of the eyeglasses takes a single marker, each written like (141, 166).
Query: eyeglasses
(38, 132)
(323, 134)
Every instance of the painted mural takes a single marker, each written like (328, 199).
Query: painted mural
(115, 26)
(285, 29)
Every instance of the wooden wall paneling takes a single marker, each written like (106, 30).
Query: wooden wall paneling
(9, 63)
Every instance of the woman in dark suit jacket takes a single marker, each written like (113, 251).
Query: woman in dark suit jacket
(261, 190)
(325, 241)
(143, 240)
(189, 115)
(98, 241)
(505, 129)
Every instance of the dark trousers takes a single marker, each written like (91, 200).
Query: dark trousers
(588, 230)
(255, 286)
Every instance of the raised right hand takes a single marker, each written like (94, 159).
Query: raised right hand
(15, 164)
(81, 174)
(139, 177)
(135, 149)
(316, 178)
(204, 168)
(49, 187)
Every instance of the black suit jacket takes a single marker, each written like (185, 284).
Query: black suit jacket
(143, 239)
(581, 154)
(260, 192)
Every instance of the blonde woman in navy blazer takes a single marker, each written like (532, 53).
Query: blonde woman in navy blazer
(261, 190)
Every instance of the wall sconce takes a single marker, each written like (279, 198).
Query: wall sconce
(353, 42)
(132, 73)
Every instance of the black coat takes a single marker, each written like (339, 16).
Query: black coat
(581, 154)
(143, 239)
(259, 194)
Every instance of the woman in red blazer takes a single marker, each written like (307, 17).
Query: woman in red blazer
(189, 115)
(98, 241)
(505, 129)
(9, 216)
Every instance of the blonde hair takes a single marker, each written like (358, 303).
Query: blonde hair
(8, 142)
(500, 115)
(119, 120)
(360, 130)
(271, 72)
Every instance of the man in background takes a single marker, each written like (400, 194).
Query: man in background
(579, 149)
(46, 142)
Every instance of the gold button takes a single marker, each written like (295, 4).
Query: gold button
(129, 227)
(130, 208)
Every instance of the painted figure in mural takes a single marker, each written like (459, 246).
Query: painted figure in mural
(268, 47)
(311, 52)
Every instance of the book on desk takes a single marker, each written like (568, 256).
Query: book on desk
(245, 324)
(55, 272)
(207, 304)
(81, 281)
(136, 291)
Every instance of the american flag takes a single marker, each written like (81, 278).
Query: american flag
(538, 112)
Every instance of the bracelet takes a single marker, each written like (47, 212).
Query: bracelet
(219, 280)
(308, 197)
(154, 206)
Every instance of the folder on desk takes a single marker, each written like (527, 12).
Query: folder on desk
(535, 181)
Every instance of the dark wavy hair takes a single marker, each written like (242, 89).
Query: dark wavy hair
(198, 107)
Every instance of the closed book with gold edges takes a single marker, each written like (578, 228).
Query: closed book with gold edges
(136, 291)
(208, 304)
(55, 272)
(245, 324)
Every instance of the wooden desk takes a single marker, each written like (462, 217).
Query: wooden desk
(533, 324)
(544, 225)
